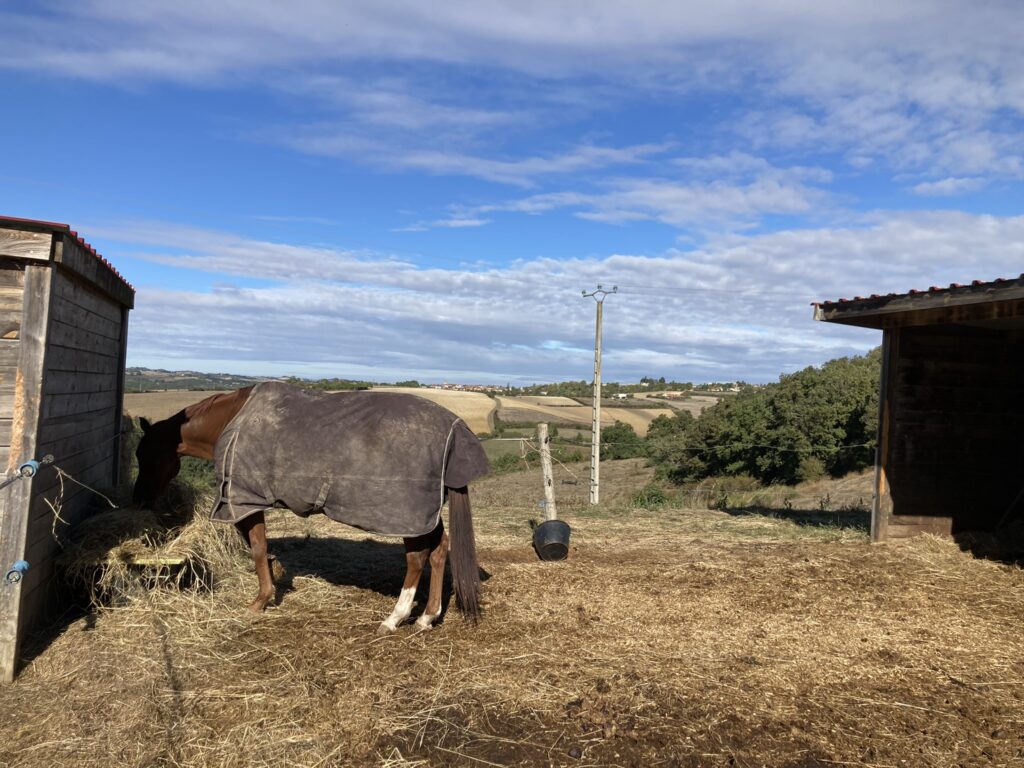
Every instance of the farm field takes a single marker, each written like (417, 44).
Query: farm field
(475, 408)
(159, 405)
(515, 409)
(671, 636)
(695, 404)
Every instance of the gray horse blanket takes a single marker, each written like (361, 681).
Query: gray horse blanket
(379, 461)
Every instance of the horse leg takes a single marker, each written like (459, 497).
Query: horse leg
(415, 558)
(254, 531)
(417, 552)
(438, 557)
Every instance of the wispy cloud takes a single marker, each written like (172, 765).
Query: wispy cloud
(916, 86)
(948, 186)
(736, 190)
(522, 172)
(451, 223)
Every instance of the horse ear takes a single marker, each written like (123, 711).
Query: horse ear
(144, 423)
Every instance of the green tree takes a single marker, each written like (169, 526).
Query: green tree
(814, 421)
(620, 441)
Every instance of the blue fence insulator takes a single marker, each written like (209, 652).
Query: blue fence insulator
(16, 572)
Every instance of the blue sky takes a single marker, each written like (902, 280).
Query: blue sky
(391, 190)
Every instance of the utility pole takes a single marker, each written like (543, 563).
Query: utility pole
(595, 438)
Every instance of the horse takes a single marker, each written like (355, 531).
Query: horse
(394, 454)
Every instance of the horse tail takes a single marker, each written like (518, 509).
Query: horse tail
(462, 553)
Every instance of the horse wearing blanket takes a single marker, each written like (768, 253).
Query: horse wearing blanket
(380, 461)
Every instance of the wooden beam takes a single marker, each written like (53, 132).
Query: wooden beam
(20, 244)
(967, 305)
(882, 506)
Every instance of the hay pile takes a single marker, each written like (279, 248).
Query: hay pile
(112, 555)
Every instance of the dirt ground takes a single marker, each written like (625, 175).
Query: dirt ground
(671, 636)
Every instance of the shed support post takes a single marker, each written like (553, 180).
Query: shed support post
(882, 506)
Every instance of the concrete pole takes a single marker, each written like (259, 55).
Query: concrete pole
(595, 432)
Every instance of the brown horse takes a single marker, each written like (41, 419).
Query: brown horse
(196, 430)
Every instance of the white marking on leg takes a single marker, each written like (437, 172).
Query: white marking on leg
(402, 609)
(426, 620)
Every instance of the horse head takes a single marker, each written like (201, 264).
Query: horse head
(158, 458)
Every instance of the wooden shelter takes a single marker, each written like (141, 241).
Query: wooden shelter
(951, 419)
(63, 332)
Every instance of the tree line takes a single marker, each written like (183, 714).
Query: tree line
(811, 423)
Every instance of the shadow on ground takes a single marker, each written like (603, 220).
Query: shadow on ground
(846, 519)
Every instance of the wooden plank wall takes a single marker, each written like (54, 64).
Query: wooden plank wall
(12, 288)
(955, 458)
(18, 497)
(80, 421)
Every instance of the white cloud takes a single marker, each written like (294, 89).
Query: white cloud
(521, 172)
(948, 186)
(739, 307)
(923, 86)
(737, 190)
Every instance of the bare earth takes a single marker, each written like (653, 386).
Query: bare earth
(670, 637)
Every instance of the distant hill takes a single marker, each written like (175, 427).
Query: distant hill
(148, 380)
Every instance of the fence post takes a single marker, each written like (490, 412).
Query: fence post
(545, 463)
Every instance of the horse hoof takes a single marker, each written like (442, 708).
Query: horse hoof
(385, 629)
(424, 626)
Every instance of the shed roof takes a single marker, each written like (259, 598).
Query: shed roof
(105, 273)
(996, 303)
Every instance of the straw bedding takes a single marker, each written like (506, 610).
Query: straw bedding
(678, 637)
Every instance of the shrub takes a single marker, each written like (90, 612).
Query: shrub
(651, 496)
(811, 468)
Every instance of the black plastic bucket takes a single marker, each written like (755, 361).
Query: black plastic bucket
(551, 540)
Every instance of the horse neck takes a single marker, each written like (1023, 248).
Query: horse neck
(206, 420)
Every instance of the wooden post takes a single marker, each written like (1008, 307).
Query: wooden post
(882, 506)
(545, 463)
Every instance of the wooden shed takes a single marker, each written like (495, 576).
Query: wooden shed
(951, 420)
(63, 332)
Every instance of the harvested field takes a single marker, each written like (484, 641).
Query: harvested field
(638, 418)
(520, 409)
(542, 400)
(695, 404)
(160, 405)
(672, 636)
(475, 408)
